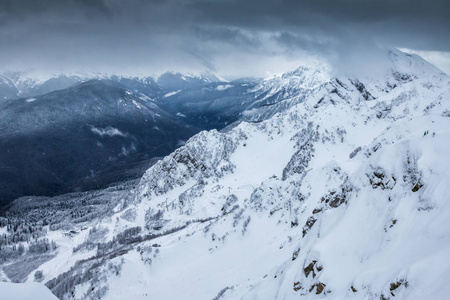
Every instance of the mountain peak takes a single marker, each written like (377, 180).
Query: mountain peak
(178, 81)
(412, 64)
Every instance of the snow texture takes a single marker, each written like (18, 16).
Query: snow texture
(25, 291)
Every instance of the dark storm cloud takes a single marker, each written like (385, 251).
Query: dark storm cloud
(292, 41)
(228, 35)
(115, 35)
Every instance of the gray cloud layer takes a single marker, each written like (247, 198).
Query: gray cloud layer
(235, 37)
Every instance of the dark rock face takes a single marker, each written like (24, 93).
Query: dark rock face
(310, 268)
(318, 286)
(379, 179)
(336, 198)
(308, 225)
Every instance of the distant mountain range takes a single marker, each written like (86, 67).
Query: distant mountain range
(15, 85)
(71, 133)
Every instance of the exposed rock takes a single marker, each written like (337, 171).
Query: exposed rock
(318, 286)
(297, 286)
(379, 179)
(308, 225)
(295, 254)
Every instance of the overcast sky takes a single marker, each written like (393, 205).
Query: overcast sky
(231, 37)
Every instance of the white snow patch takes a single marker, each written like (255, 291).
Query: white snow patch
(171, 93)
(145, 98)
(136, 104)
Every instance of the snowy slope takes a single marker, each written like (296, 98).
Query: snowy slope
(340, 194)
(20, 291)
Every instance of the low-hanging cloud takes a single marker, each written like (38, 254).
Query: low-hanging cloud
(231, 37)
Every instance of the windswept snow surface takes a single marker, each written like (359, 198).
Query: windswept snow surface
(342, 194)
(25, 291)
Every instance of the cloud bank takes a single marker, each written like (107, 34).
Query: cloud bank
(233, 37)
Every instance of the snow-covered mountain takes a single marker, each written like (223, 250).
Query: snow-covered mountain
(175, 81)
(339, 193)
(294, 86)
(21, 84)
(28, 84)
